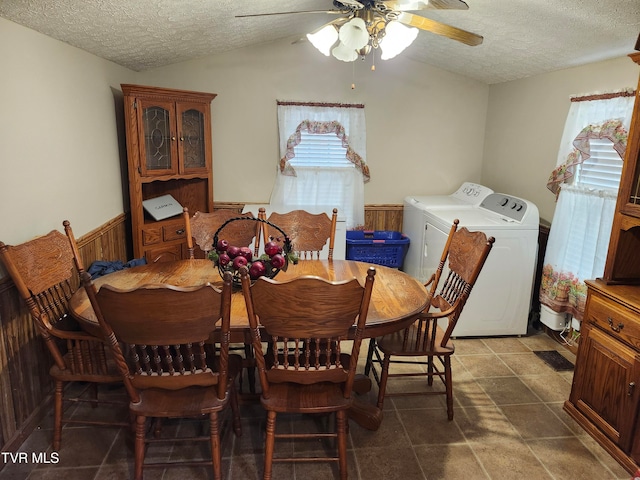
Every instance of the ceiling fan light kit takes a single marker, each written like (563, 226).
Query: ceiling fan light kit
(324, 39)
(366, 25)
(397, 38)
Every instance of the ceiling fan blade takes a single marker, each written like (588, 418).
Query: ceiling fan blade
(412, 5)
(331, 12)
(438, 28)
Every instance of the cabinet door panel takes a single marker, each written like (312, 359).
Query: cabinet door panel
(193, 137)
(606, 393)
(158, 141)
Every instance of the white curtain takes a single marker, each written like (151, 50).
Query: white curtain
(581, 226)
(304, 186)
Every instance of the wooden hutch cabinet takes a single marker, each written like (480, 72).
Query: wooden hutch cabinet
(169, 153)
(605, 396)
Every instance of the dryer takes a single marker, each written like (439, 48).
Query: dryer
(501, 298)
(469, 195)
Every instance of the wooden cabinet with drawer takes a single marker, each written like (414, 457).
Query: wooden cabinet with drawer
(169, 152)
(605, 396)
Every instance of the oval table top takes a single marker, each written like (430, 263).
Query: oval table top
(396, 300)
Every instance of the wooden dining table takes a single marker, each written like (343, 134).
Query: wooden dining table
(396, 300)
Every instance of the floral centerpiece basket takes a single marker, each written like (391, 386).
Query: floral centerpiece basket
(230, 258)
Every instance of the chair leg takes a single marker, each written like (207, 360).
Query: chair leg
(448, 381)
(139, 446)
(384, 376)
(235, 410)
(367, 366)
(57, 415)
(216, 452)
(269, 444)
(430, 370)
(341, 430)
(251, 371)
(157, 427)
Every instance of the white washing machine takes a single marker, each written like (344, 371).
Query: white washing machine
(469, 195)
(501, 298)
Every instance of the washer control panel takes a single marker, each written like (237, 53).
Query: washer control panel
(513, 208)
(470, 191)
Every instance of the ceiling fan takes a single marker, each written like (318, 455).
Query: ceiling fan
(364, 25)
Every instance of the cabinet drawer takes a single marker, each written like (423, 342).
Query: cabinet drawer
(151, 236)
(174, 231)
(166, 253)
(618, 321)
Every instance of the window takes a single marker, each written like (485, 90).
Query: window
(320, 150)
(322, 159)
(602, 170)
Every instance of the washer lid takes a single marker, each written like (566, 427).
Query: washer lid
(468, 195)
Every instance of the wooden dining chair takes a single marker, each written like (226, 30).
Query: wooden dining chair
(202, 227)
(45, 276)
(304, 370)
(308, 232)
(462, 260)
(173, 368)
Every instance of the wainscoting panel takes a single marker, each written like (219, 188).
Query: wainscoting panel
(376, 217)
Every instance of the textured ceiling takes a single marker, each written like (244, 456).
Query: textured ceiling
(521, 37)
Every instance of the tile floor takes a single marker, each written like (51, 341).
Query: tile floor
(508, 424)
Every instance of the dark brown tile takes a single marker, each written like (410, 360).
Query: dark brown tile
(510, 460)
(388, 463)
(550, 387)
(481, 366)
(449, 462)
(80, 473)
(470, 346)
(540, 341)
(546, 423)
(469, 393)
(505, 345)
(524, 363)
(429, 427)
(568, 459)
(507, 390)
(85, 446)
(484, 425)
(601, 454)
(391, 432)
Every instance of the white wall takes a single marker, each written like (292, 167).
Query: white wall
(59, 151)
(525, 123)
(425, 126)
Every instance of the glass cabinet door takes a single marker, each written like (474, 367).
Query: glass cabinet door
(192, 137)
(158, 149)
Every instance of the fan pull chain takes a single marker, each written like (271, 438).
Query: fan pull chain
(353, 83)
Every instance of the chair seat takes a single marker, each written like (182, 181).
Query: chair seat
(315, 398)
(395, 344)
(186, 402)
(111, 375)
